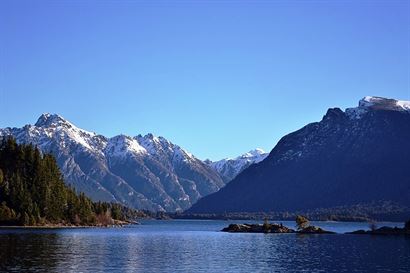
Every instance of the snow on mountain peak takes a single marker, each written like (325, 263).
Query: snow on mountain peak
(47, 119)
(121, 145)
(151, 143)
(230, 167)
(159, 145)
(54, 127)
(377, 103)
(384, 103)
(256, 152)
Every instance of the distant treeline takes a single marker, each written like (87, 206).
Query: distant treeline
(32, 192)
(373, 211)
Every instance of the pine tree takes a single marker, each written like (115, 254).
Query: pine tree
(25, 219)
(32, 191)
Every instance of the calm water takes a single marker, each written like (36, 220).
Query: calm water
(198, 246)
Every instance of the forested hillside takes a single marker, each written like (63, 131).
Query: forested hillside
(32, 192)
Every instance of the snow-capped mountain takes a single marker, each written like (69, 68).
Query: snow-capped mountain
(144, 172)
(357, 156)
(370, 103)
(228, 168)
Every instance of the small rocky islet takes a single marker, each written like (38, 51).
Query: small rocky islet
(273, 228)
(303, 227)
(302, 224)
(258, 228)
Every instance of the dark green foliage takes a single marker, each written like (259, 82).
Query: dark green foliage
(32, 192)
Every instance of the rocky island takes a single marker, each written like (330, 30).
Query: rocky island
(385, 230)
(258, 228)
(302, 224)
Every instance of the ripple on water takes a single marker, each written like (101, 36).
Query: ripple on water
(197, 246)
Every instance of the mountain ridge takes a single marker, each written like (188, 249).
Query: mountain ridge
(229, 168)
(354, 156)
(144, 172)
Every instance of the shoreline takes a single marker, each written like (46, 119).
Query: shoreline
(46, 227)
(61, 226)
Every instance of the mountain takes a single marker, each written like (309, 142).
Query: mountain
(357, 156)
(144, 172)
(228, 168)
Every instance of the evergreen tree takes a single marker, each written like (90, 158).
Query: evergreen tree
(32, 191)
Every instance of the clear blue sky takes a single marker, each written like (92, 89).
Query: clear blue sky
(216, 77)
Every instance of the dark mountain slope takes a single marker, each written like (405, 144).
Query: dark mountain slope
(357, 156)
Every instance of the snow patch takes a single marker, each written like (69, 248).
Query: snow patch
(369, 103)
(403, 104)
(237, 164)
(121, 146)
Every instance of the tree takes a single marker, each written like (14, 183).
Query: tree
(32, 191)
(301, 222)
(25, 219)
(7, 215)
(116, 212)
(266, 226)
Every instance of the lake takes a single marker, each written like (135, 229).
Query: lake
(198, 246)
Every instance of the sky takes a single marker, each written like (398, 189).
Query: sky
(218, 78)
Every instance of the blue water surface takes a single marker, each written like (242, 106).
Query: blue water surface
(199, 246)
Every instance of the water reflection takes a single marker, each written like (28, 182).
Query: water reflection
(197, 247)
(21, 252)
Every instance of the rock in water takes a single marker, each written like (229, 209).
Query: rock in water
(258, 228)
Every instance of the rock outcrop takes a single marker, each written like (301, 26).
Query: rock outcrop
(273, 228)
(314, 230)
(258, 228)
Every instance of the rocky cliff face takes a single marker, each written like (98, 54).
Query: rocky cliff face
(355, 156)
